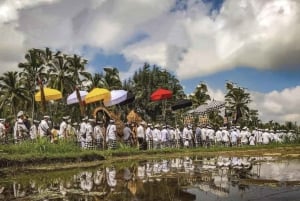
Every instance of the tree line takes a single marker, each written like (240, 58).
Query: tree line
(65, 72)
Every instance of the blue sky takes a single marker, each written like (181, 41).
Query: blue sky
(254, 43)
(253, 79)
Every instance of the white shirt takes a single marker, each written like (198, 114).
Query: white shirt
(266, 138)
(185, 133)
(33, 132)
(156, 135)
(252, 140)
(62, 130)
(43, 128)
(111, 132)
(225, 134)
(164, 134)
(89, 132)
(82, 129)
(218, 136)
(148, 134)
(140, 132)
(2, 130)
(244, 136)
(98, 133)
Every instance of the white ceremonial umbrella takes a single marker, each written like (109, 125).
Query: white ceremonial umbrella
(116, 97)
(203, 109)
(72, 98)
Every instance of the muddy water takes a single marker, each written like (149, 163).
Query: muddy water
(187, 178)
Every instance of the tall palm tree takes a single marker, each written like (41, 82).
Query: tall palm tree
(112, 78)
(34, 71)
(237, 100)
(200, 95)
(59, 74)
(13, 93)
(76, 69)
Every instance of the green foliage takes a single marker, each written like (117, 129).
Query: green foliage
(41, 146)
(144, 82)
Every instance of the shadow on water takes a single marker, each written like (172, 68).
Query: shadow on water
(186, 178)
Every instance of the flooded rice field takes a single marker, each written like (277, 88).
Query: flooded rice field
(186, 178)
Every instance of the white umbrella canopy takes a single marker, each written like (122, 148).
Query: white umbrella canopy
(72, 98)
(116, 97)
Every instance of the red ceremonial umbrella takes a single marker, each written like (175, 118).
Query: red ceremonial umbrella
(161, 94)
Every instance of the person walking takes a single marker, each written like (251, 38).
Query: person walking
(140, 131)
(20, 130)
(98, 135)
(111, 135)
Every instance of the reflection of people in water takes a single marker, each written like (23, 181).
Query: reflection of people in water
(111, 178)
(86, 181)
(17, 190)
(98, 177)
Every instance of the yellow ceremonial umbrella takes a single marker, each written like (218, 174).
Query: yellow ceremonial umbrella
(50, 94)
(97, 94)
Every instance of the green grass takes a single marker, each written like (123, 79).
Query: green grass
(43, 151)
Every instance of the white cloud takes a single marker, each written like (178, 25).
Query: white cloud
(279, 106)
(191, 42)
(256, 33)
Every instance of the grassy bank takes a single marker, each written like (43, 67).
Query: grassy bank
(43, 152)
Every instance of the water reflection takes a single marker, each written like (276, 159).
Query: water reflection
(186, 178)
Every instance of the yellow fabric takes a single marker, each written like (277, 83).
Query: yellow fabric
(97, 94)
(50, 94)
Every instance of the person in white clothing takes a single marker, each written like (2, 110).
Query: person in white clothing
(218, 137)
(89, 134)
(225, 137)
(185, 138)
(177, 137)
(111, 135)
(244, 136)
(44, 129)
(156, 135)
(234, 137)
(149, 138)
(98, 135)
(164, 134)
(34, 130)
(63, 128)
(20, 130)
(3, 132)
(82, 131)
(252, 140)
(266, 138)
(140, 133)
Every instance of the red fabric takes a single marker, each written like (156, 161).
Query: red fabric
(161, 94)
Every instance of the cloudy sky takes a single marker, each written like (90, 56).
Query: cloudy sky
(254, 43)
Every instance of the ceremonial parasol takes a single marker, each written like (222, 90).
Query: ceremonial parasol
(213, 105)
(97, 94)
(116, 97)
(129, 99)
(181, 104)
(72, 98)
(161, 94)
(50, 94)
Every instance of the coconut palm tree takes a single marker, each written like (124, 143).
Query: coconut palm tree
(59, 74)
(200, 95)
(112, 79)
(34, 71)
(237, 100)
(13, 94)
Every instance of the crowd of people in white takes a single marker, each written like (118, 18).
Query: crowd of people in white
(92, 134)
